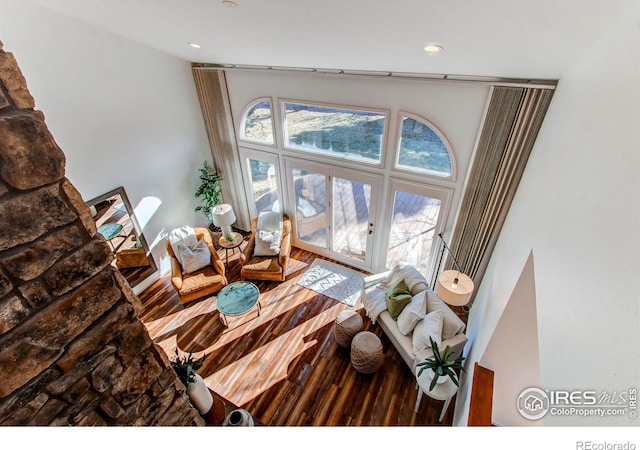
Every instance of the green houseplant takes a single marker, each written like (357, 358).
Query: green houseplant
(443, 363)
(197, 390)
(209, 191)
(186, 367)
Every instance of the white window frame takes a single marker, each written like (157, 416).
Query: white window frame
(243, 120)
(333, 156)
(246, 153)
(430, 173)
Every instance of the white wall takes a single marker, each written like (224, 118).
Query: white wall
(577, 209)
(124, 114)
(512, 352)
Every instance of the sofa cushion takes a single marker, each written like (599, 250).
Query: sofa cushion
(412, 313)
(397, 298)
(204, 279)
(401, 342)
(451, 323)
(429, 327)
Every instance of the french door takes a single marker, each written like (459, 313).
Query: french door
(335, 211)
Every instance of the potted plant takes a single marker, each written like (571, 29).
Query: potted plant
(186, 367)
(443, 363)
(209, 190)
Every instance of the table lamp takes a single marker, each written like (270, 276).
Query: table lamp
(223, 217)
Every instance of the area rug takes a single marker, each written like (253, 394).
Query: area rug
(333, 280)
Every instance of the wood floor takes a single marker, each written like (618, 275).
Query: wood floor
(284, 365)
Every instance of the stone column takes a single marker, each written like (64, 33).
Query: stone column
(72, 349)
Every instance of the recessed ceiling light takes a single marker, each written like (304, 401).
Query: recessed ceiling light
(229, 4)
(195, 45)
(433, 48)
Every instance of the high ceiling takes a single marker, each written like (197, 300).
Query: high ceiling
(505, 38)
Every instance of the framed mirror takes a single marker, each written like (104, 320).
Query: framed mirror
(115, 219)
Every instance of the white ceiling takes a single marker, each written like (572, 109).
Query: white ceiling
(504, 38)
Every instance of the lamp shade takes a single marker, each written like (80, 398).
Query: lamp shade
(223, 215)
(452, 293)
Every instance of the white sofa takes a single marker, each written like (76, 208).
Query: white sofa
(374, 292)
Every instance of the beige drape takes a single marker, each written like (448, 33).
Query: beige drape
(211, 86)
(513, 120)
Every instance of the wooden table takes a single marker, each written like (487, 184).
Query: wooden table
(230, 245)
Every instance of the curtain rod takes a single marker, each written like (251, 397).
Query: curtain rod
(495, 81)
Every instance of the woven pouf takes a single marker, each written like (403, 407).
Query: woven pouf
(347, 325)
(366, 352)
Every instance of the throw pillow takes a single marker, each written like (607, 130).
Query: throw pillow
(268, 234)
(183, 236)
(451, 323)
(397, 298)
(194, 257)
(267, 243)
(430, 326)
(412, 313)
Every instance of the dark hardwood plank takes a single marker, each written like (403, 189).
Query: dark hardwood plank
(284, 365)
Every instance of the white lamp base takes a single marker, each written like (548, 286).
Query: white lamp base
(227, 233)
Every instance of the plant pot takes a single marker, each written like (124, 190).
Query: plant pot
(200, 395)
(238, 418)
(441, 379)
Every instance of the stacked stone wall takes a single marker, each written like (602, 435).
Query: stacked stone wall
(72, 349)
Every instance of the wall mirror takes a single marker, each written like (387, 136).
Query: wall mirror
(116, 222)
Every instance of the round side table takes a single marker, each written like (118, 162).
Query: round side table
(441, 391)
(230, 245)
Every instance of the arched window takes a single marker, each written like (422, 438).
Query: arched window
(257, 122)
(422, 148)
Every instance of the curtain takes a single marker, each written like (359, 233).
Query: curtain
(211, 85)
(512, 122)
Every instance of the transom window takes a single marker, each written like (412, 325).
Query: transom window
(422, 148)
(347, 133)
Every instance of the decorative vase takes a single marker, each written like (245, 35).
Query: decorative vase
(200, 395)
(238, 418)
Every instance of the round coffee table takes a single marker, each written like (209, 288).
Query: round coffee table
(237, 299)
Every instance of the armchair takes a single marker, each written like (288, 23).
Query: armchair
(272, 268)
(204, 281)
